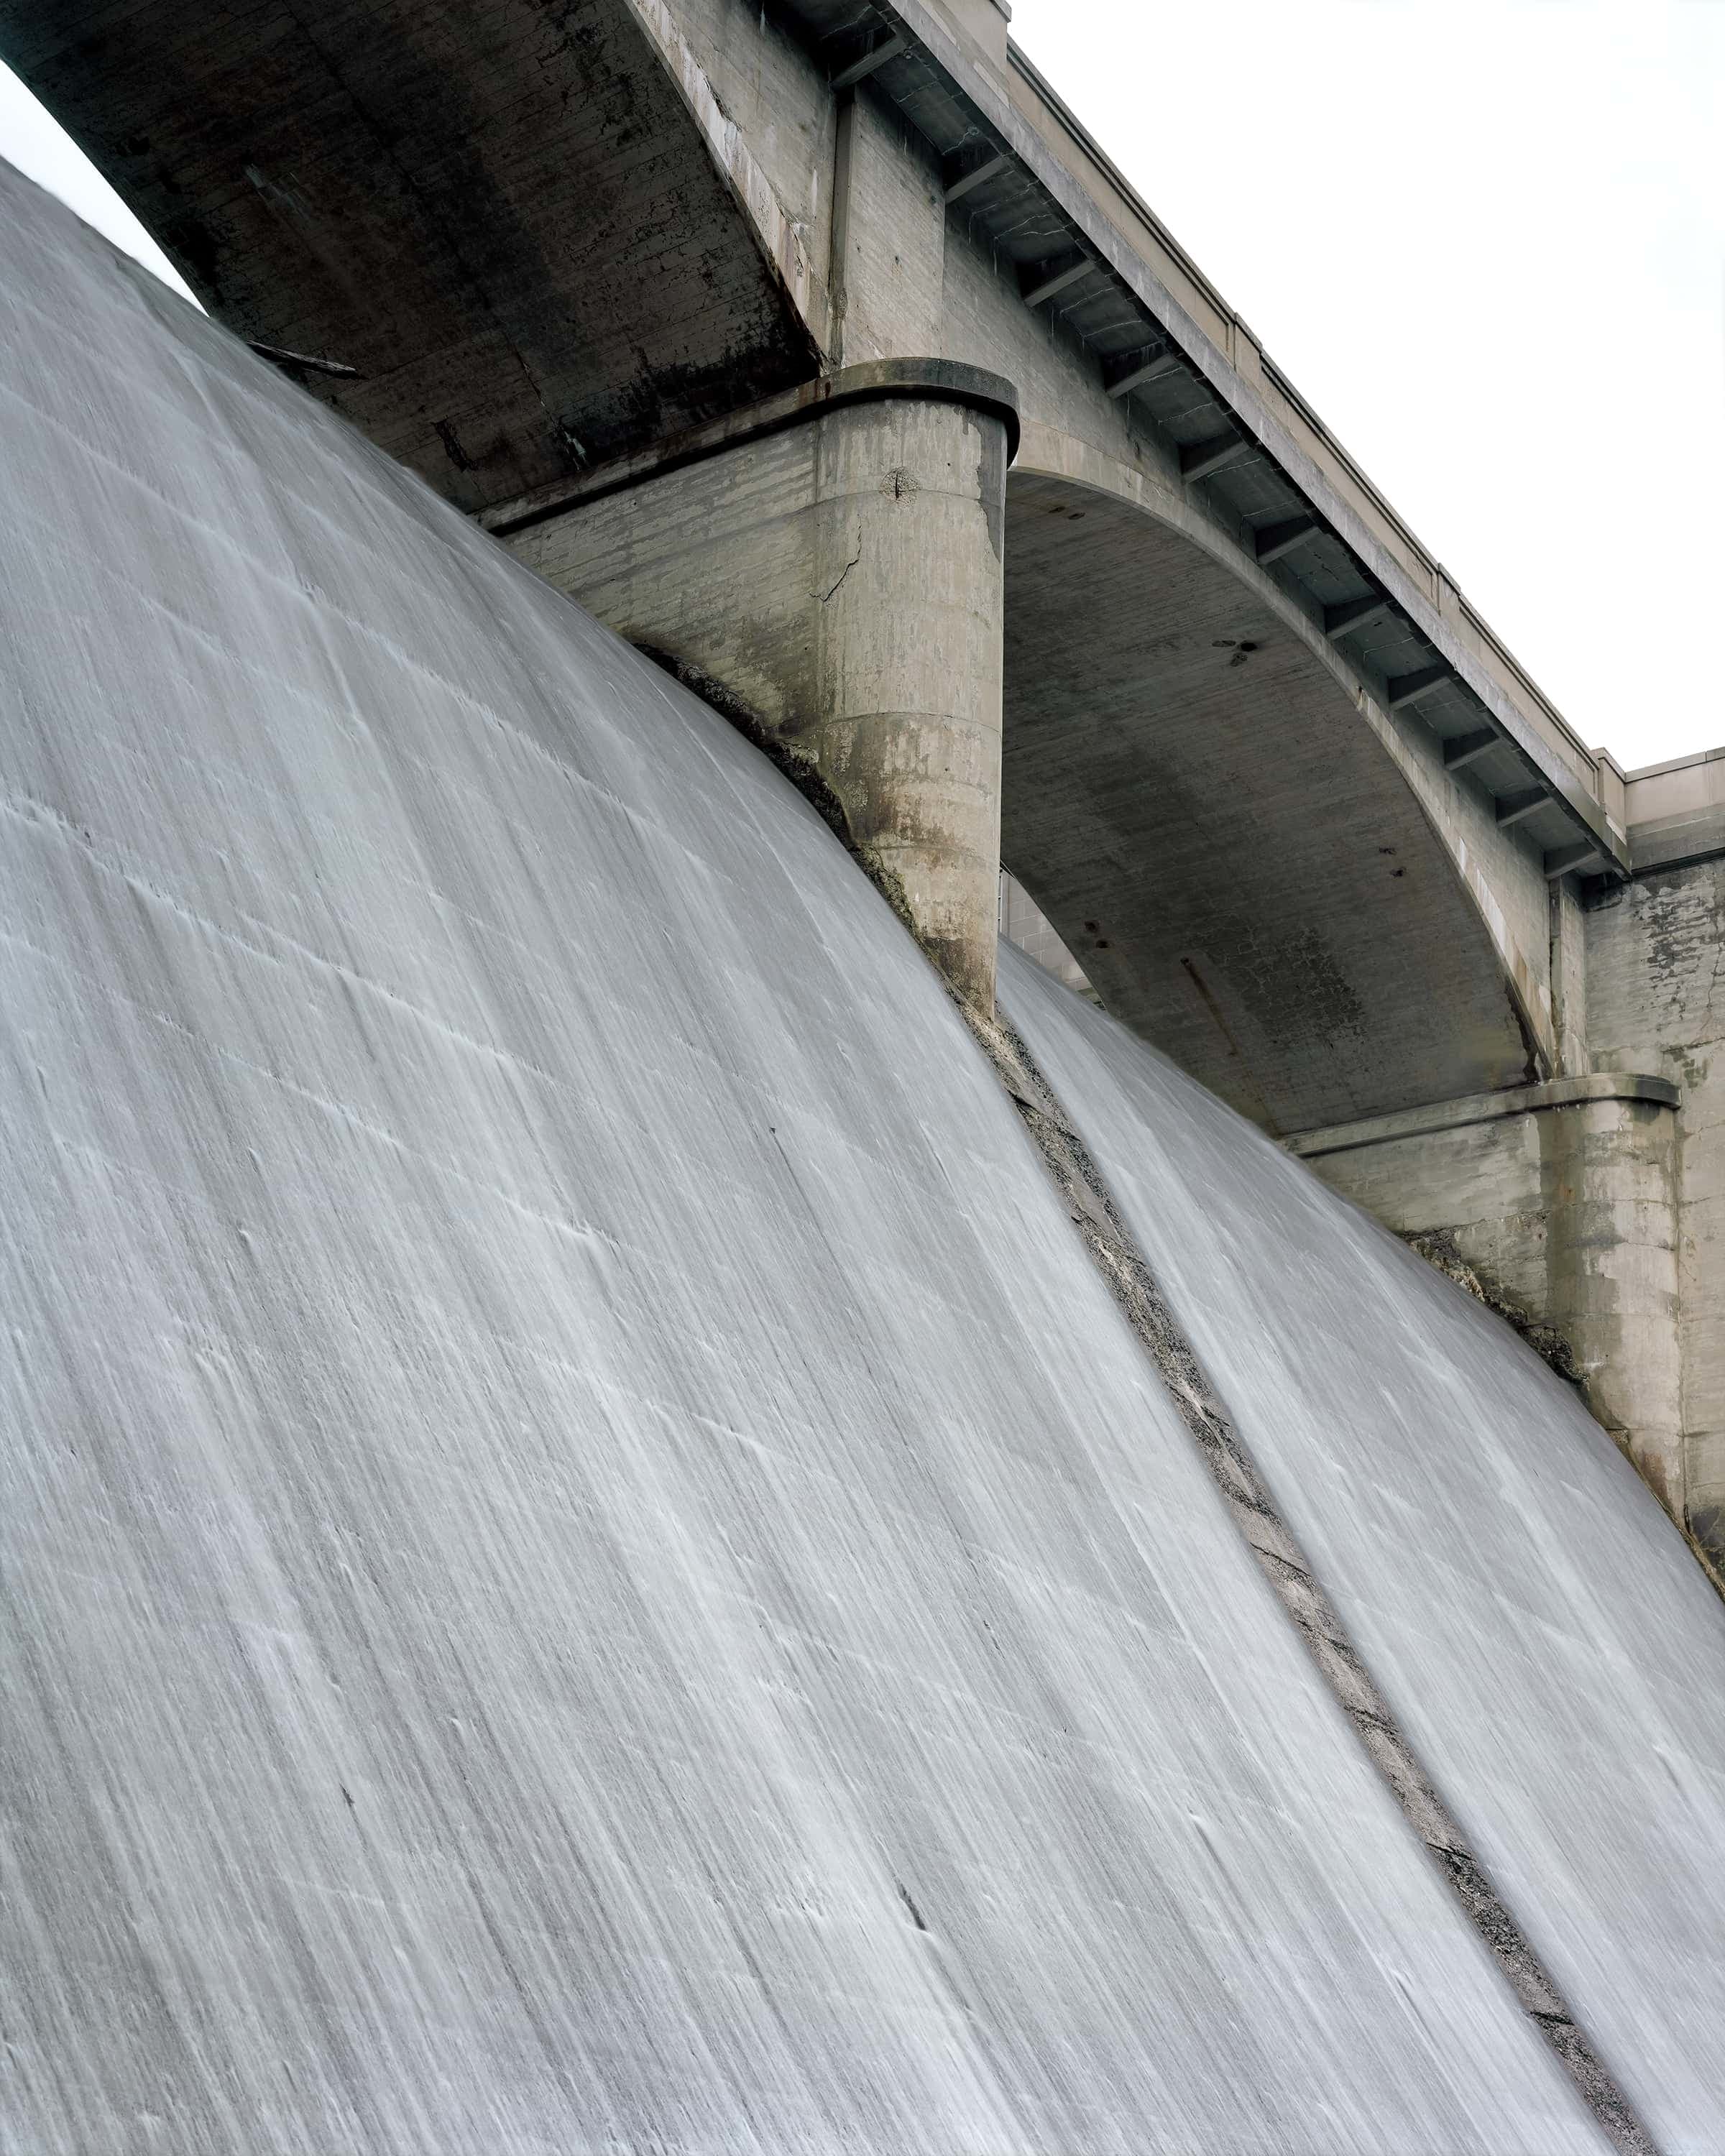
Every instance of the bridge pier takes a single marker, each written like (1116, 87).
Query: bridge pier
(834, 557)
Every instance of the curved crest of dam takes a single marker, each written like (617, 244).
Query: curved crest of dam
(592, 1561)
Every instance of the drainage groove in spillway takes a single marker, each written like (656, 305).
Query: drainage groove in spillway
(1134, 1286)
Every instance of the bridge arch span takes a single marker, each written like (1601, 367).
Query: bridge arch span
(1256, 866)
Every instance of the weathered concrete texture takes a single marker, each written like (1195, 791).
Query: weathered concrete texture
(1484, 1184)
(1541, 1632)
(780, 102)
(982, 25)
(588, 1562)
(843, 579)
(511, 218)
(1611, 1267)
(1567, 975)
(1676, 811)
(1565, 1206)
(1657, 1001)
(888, 227)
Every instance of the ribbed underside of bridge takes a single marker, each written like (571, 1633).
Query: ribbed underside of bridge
(590, 1563)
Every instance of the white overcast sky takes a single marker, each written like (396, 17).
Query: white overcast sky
(1485, 238)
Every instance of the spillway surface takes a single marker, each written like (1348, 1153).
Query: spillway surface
(1539, 1629)
(589, 1564)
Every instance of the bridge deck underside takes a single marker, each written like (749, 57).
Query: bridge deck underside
(502, 216)
(1223, 840)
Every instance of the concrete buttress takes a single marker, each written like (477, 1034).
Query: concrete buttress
(834, 559)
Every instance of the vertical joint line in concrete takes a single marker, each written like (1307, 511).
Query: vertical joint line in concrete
(838, 237)
(1303, 1599)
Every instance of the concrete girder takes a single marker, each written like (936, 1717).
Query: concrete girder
(1201, 459)
(1048, 280)
(1274, 540)
(1518, 808)
(968, 180)
(1143, 372)
(1257, 867)
(1405, 690)
(1468, 748)
(876, 56)
(1354, 615)
(539, 239)
(1580, 859)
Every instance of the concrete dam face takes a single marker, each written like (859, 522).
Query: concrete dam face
(592, 1560)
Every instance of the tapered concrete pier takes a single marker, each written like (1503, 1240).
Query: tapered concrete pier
(834, 557)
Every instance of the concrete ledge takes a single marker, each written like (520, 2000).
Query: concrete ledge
(1484, 1108)
(945, 380)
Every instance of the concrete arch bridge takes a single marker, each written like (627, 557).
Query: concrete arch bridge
(818, 346)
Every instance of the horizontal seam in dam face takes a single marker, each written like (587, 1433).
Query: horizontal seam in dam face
(1303, 1600)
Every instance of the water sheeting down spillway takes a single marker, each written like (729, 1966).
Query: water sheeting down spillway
(589, 1564)
(1536, 1625)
